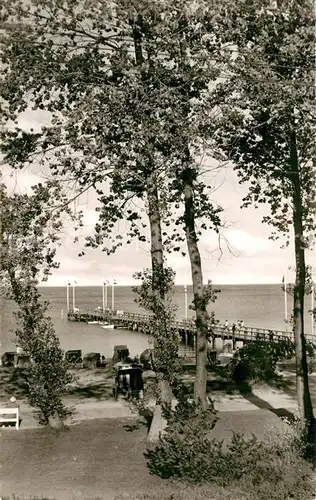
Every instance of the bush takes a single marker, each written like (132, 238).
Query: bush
(257, 361)
(178, 452)
(311, 355)
(273, 469)
(297, 439)
(144, 411)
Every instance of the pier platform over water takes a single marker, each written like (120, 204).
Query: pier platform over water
(185, 328)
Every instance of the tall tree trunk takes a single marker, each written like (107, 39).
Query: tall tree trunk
(165, 394)
(156, 247)
(302, 385)
(202, 317)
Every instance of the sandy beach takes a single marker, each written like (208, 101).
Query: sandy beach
(91, 395)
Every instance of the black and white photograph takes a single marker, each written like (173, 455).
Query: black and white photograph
(157, 250)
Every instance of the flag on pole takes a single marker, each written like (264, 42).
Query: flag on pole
(114, 282)
(285, 300)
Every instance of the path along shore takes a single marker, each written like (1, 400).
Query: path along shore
(263, 398)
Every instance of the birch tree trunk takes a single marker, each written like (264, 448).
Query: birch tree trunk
(165, 394)
(164, 390)
(198, 289)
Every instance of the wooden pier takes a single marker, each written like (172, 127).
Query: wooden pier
(185, 328)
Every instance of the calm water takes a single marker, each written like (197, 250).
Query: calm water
(259, 306)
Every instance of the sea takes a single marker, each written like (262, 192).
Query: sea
(260, 306)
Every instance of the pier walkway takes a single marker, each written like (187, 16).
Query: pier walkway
(185, 328)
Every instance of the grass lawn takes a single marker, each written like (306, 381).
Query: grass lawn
(97, 458)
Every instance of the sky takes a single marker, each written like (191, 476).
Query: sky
(247, 254)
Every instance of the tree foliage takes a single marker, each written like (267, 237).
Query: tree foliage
(269, 98)
(115, 114)
(257, 361)
(166, 360)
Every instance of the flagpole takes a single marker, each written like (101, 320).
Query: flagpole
(312, 302)
(103, 297)
(285, 302)
(106, 294)
(312, 308)
(185, 302)
(68, 306)
(113, 283)
(73, 297)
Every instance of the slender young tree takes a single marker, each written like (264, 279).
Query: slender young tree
(28, 234)
(268, 131)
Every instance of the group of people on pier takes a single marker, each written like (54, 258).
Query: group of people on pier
(236, 326)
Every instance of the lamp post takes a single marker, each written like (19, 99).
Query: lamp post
(68, 305)
(73, 296)
(105, 295)
(185, 302)
(114, 282)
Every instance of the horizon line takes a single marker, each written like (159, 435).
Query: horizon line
(176, 284)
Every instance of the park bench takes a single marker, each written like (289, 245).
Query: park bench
(10, 415)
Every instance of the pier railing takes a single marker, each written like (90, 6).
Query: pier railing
(245, 333)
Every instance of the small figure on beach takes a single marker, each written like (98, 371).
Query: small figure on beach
(225, 329)
(12, 403)
(240, 324)
(19, 349)
(18, 353)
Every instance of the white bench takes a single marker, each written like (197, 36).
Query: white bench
(10, 415)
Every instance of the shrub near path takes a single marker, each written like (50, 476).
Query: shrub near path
(269, 468)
